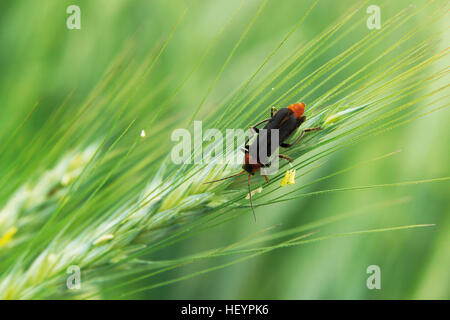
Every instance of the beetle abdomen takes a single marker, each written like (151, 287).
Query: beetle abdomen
(285, 122)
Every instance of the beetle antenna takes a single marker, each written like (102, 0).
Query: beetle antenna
(250, 194)
(233, 175)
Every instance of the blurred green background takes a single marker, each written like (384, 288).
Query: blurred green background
(41, 59)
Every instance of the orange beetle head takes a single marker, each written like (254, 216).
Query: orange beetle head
(298, 109)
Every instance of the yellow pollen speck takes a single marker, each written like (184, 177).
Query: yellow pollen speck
(289, 178)
(7, 236)
(284, 181)
(292, 177)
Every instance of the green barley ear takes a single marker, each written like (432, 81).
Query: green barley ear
(40, 196)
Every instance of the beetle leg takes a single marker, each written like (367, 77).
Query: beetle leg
(252, 132)
(312, 129)
(282, 156)
(253, 129)
(272, 111)
(245, 149)
(288, 145)
(267, 178)
(259, 123)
